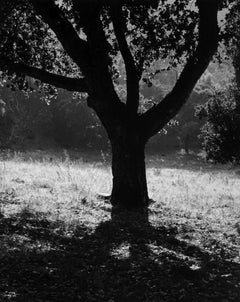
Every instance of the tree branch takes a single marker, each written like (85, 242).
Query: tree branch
(85, 54)
(76, 48)
(157, 117)
(131, 71)
(71, 84)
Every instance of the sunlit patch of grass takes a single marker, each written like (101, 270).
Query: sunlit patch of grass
(121, 251)
(203, 205)
(215, 194)
(66, 190)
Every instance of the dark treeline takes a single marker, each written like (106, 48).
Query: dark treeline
(31, 120)
(36, 120)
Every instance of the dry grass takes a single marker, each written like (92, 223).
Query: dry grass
(62, 189)
(197, 204)
(60, 186)
(66, 190)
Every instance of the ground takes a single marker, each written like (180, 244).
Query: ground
(61, 242)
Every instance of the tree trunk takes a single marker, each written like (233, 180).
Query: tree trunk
(129, 173)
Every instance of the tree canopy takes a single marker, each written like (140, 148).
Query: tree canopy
(60, 43)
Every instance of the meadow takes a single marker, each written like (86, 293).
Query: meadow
(61, 242)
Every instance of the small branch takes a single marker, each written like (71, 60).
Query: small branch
(157, 117)
(131, 70)
(71, 84)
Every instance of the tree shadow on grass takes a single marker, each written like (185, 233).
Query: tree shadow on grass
(123, 259)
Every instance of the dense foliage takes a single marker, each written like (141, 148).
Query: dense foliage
(27, 118)
(28, 121)
(74, 124)
(221, 132)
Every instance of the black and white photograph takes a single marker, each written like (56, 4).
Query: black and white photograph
(119, 150)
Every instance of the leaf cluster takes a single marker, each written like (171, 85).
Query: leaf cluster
(168, 31)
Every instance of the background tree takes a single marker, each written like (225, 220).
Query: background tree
(221, 132)
(185, 130)
(233, 27)
(74, 44)
(27, 119)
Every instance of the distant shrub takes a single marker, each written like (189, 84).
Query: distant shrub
(221, 131)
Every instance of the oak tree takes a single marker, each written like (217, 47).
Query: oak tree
(75, 45)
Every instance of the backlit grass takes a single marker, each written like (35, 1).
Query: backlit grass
(69, 188)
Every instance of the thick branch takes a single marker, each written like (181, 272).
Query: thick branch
(131, 71)
(58, 81)
(94, 68)
(75, 47)
(157, 117)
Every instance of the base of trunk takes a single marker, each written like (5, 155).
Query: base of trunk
(129, 177)
(128, 199)
(129, 204)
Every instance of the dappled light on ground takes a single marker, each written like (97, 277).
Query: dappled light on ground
(121, 251)
(122, 259)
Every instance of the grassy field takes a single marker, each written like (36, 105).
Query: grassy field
(59, 242)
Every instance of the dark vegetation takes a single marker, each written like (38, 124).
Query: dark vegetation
(33, 121)
(221, 132)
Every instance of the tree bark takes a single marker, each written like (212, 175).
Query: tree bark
(129, 173)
